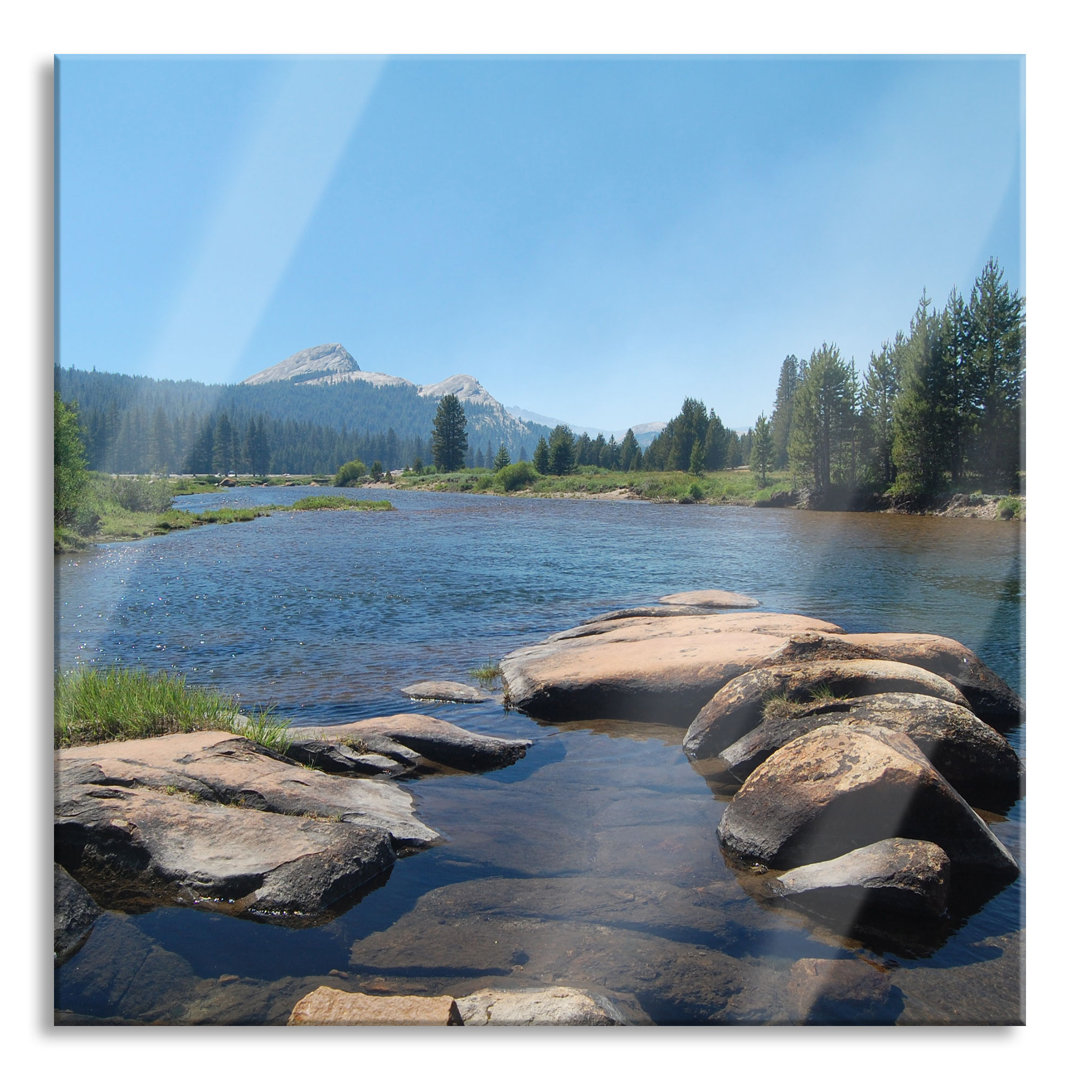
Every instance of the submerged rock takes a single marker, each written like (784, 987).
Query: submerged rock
(843, 787)
(841, 991)
(652, 668)
(711, 598)
(444, 690)
(739, 706)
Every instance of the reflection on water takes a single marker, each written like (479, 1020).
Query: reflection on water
(591, 862)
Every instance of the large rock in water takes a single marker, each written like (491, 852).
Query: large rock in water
(210, 817)
(970, 754)
(841, 787)
(654, 668)
(894, 877)
(739, 706)
(146, 847)
(990, 698)
(74, 914)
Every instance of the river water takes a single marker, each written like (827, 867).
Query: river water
(593, 861)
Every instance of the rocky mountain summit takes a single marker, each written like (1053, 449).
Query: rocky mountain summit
(333, 365)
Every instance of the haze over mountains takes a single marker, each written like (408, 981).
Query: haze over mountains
(332, 364)
(312, 411)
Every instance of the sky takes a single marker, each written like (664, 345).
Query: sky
(594, 238)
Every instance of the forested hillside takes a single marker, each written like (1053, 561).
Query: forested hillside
(140, 425)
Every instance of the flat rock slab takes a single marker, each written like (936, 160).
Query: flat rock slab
(443, 690)
(711, 598)
(653, 668)
(327, 1006)
(217, 766)
(437, 740)
(540, 1006)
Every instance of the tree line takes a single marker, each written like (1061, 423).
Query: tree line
(136, 424)
(939, 406)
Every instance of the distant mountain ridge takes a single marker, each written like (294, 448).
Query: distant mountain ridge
(328, 365)
(333, 364)
(318, 409)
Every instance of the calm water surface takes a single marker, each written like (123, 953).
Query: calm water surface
(593, 861)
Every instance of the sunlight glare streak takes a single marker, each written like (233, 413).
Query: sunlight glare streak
(260, 219)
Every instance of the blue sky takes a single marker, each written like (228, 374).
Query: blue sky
(593, 238)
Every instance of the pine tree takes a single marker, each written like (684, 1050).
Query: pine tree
(542, 457)
(256, 450)
(502, 458)
(781, 414)
(821, 417)
(449, 442)
(561, 450)
(881, 384)
(716, 444)
(697, 459)
(925, 414)
(629, 452)
(995, 370)
(761, 450)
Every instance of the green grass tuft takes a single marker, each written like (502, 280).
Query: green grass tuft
(95, 705)
(487, 675)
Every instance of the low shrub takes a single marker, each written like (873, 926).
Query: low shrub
(350, 474)
(1011, 507)
(135, 493)
(514, 477)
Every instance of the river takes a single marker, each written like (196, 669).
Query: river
(591, 862)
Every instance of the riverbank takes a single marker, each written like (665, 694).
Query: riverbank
(730, 487)
(116, 523)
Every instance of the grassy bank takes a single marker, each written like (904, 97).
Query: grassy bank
(132, 508)
(97, 706)
(731, 486)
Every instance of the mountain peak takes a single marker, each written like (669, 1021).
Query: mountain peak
(463, 387)
(333, 359)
